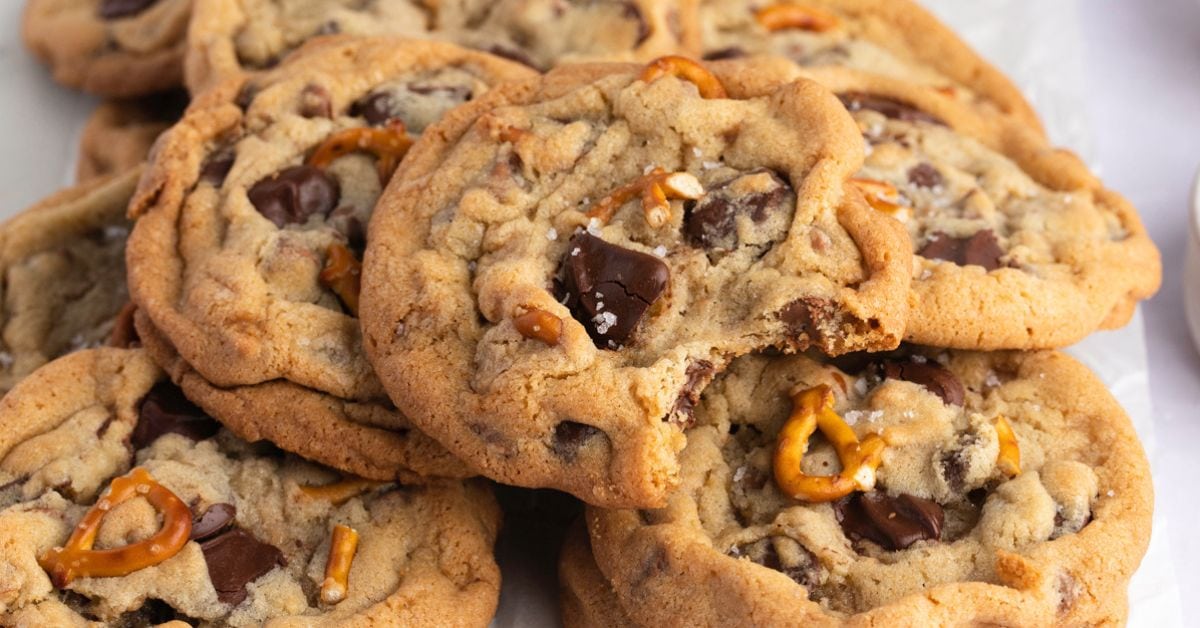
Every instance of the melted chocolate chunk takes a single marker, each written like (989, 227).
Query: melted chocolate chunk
(981, 249)
(609, 288)
(732, 52)
(924, 175)
(291, 196)
(698, 373)
(213, 521)
(316, 102)
(235, 559)
(165, 410)
(933, 376)
(889, 107)
(711, 222)
(114, 9)
(894, 523)
(217, 166)
(376, 107)
(569, 438)
(803, 319)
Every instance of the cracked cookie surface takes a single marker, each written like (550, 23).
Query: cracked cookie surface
(113, 48)
(62, 263)
(542, 297)
(261, 521)
(955, 530)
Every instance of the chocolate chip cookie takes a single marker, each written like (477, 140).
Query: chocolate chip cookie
(119, 133)
(252, 222)
(586, 599)
(566, 262)
(123, 503)
(112, 48)
(1018, 245)
(62, 274)
(946, 489)
(896, 38)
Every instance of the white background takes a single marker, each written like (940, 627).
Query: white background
(1138, 123)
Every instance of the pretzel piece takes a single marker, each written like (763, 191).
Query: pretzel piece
(341, 491)
(785, 16)
(541, 325)
(656, 188)
(687, 69)
(882, 197)
(812, 409)
(78, 559)
(1009, 458)
(343, 275)
(342, 547)
(388, 144)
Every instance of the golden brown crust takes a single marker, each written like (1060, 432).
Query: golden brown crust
(585, 598)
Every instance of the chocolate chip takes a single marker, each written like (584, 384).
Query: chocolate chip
(609, 288)
(894, 523)
(732, 52)
(165, 410)
(570, 436)
(245, 95)
(981, 249)
(889, 107)
(630, 10)
(711, 222)
(151, 613)
(805, 320)
(217, 166)
(291, 196)
(376, 107)
(513, 54)
(213, 521)
(803, 568)
(113, 9)
(698, 373)
(316, 102)
(235, 559)
(936, 378)
(924, 175)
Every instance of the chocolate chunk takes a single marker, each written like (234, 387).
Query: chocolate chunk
(981, 249)
(376, 107)
(152, 613)
(933, 376)
(217, 166)
(235, 559)
(165, 410)
(805, 320)
(113, 9)
(630, 10)
(889, 107)
(316, 102)
(213, 521)
(246, 95)
(513, 54)
(609, 288)
(295, 194)
(711, 222)
(924, 175)
(894, 523)
(732, 52)
(698, 373)
(570, 436)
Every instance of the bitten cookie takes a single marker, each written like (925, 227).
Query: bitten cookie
(252, 220)
(948, 489)
(895, 38)
(113, 48)
(229, 37)
(62, 264)
(119, 133)
(566, 262)
(1019, 245)
(124, 504)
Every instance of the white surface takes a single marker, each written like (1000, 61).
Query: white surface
(1191, 274)
(1131, 105)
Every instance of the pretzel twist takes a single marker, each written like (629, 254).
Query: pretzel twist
(343, 275)
(388, 144)
(882, 197)
(785, 16)
(812, 409)
(656, 189)
(342, 548)
(78, 559)
(687, 69)
(1009, 458)
(341, 491)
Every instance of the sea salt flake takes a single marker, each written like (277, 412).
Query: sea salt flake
(739, 474)
(860, 386)
(696, 152)
(710, 165)
(649, 168)
(991, 380)
(604, 321)
(920, 359)
(660, 251)
(593, 226)
(552, 234)
(1111, 493)
(852, 417)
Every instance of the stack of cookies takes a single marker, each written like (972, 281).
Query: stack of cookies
(774, 288)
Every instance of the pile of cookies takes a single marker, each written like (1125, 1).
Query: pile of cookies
(774, 288)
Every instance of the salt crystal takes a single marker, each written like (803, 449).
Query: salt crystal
(593, 226)
(552, 234)
(1111, 493)
(926, 274)
(710, 165)
(575, 251)
(920, 359)
(992, 380)
(604, 321)
(860, 386)
(851, 418)
(660, 251)
(739, 474)
(648, 169)
(696, 152)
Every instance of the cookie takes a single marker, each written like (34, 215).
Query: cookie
(539, 296)
(895, 38)
(63, 267)
(373, 440)
(111, 48)
(119, 133)
(229, 37)
(950, 488)
(586, 599)
(1019, 245)
(271, 165)
(247, 534)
